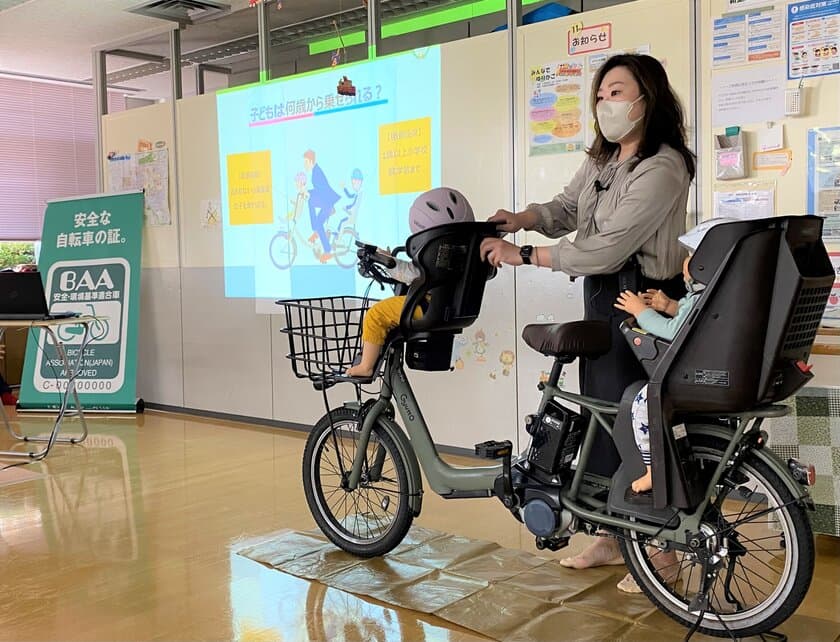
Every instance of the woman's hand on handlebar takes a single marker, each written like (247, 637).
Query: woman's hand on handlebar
(631, 303)
(498, 252)
(507, 221)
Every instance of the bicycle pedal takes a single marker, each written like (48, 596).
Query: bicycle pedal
(494, 449)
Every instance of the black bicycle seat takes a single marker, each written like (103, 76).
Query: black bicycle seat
(574, 339)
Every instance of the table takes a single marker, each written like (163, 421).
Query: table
(72, 371)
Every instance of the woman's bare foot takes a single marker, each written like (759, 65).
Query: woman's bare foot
(665, 563)
(603, 551)
(643, 483)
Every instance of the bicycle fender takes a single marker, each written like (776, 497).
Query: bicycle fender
(765, 455)
(415, 481)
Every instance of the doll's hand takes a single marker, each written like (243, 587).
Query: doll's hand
(630, 303)
(657, 300)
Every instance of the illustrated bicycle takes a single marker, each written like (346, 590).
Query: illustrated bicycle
(283, 247)
(729, 552)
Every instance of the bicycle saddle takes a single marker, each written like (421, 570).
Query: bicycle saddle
(574, 339)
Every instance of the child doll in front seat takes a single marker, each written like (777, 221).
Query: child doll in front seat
(644, 308)
(436, 207)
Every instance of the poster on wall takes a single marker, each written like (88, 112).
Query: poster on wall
(729, 40)
(824, 178)
(755, 201)
(147, 171)
(765, 34)
(813, 38)
(556, 108)
(90, 263)
(587, 39)
(751, 36)
(749, 95)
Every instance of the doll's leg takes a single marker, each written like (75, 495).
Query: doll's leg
(641, 432)
(380, 319)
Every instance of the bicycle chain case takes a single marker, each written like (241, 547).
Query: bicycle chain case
(555, 437)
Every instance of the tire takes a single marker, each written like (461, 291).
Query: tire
(385, 502)
(344, 248)
(761, 606)
(282, 250)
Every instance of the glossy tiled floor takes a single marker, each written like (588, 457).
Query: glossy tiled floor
(128, 537)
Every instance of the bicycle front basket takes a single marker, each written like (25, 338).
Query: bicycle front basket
(325, 334)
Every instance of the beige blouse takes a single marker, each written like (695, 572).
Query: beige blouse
(640, 212)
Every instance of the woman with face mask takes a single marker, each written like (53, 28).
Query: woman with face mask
(627, 204)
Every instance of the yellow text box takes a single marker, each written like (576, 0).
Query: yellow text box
(405, 156)
(249, 188)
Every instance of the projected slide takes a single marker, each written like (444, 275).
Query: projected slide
(305, 172)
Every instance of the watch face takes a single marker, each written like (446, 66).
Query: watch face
(525, 252)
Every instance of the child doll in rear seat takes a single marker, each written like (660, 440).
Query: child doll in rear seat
(644, 308)
(436, 207)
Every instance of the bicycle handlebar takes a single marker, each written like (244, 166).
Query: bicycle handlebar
(372, 264)
(372, 253)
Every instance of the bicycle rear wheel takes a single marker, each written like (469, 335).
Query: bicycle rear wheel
(344, 249)
(769, 558)
(373, 518)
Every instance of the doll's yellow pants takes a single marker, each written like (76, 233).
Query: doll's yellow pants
(383, 317)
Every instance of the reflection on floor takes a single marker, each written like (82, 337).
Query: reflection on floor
(129, 536)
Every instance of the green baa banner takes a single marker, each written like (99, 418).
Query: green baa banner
(90, 264)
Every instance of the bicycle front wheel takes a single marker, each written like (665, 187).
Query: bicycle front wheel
(764, 537)
(282, 250)
(373, 518)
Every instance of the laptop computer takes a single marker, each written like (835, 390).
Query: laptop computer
(22, 298)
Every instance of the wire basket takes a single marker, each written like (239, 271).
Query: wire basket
(325, 334)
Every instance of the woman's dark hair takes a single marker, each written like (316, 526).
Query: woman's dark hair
(663, 122)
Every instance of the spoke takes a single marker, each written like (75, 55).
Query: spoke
(326, 461)
(746, 503)
(751, 554)
(747, 572)
(742, 536)
(688, 583)
(333, 492)
(382, 526)
(734, 581)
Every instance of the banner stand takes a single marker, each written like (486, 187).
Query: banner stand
(90, 263)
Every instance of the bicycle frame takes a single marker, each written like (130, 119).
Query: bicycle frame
(577, 497)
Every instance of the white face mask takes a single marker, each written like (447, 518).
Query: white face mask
(693, 286)
(613, 118)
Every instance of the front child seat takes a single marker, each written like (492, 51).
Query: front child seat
(449, 291)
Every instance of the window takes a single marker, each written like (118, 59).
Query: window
(16, 252)
(47, 150)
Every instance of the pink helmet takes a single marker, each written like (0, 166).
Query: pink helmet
(437, 207)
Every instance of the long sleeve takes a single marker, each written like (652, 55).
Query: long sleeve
(667, 328)
(641, 211)
(559, 216)
(405, 271)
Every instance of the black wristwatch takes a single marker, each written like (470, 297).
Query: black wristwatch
(525, 252)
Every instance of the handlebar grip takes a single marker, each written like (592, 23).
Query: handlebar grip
(371, 253)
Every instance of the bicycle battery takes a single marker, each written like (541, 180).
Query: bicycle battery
(555, 438)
